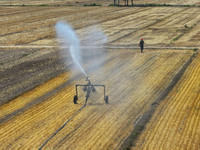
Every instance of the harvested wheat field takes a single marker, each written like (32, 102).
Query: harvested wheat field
(159, 26)
(37, 86)
(176, 122)
(34, 116)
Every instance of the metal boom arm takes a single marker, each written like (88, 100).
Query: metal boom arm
(88, 88)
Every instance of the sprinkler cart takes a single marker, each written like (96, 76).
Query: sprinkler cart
(88, 88)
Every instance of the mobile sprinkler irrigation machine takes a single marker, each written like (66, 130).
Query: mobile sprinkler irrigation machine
(88, 88)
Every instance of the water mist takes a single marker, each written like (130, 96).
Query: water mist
(69, 39)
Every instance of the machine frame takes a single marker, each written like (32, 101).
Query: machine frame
(88, 88)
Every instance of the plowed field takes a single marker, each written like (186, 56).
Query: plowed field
(132, 80)
(176, 123)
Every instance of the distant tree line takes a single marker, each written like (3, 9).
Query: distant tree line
(126, 2)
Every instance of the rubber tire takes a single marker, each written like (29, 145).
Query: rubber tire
(75, 99)
(106, 99)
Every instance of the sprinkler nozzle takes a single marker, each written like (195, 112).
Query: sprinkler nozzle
(87, 79)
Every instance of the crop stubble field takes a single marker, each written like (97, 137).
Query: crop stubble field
(159, 26)
(133, 80)
(176, 124)
(98, 125)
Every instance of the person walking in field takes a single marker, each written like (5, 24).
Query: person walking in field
(141, 45)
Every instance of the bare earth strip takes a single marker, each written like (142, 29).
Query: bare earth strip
(176, 123)
(23, 69)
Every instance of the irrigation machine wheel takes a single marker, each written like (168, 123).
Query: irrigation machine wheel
(106, 99)
(75, 99)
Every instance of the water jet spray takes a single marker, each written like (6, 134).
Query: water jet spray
(69, 39)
